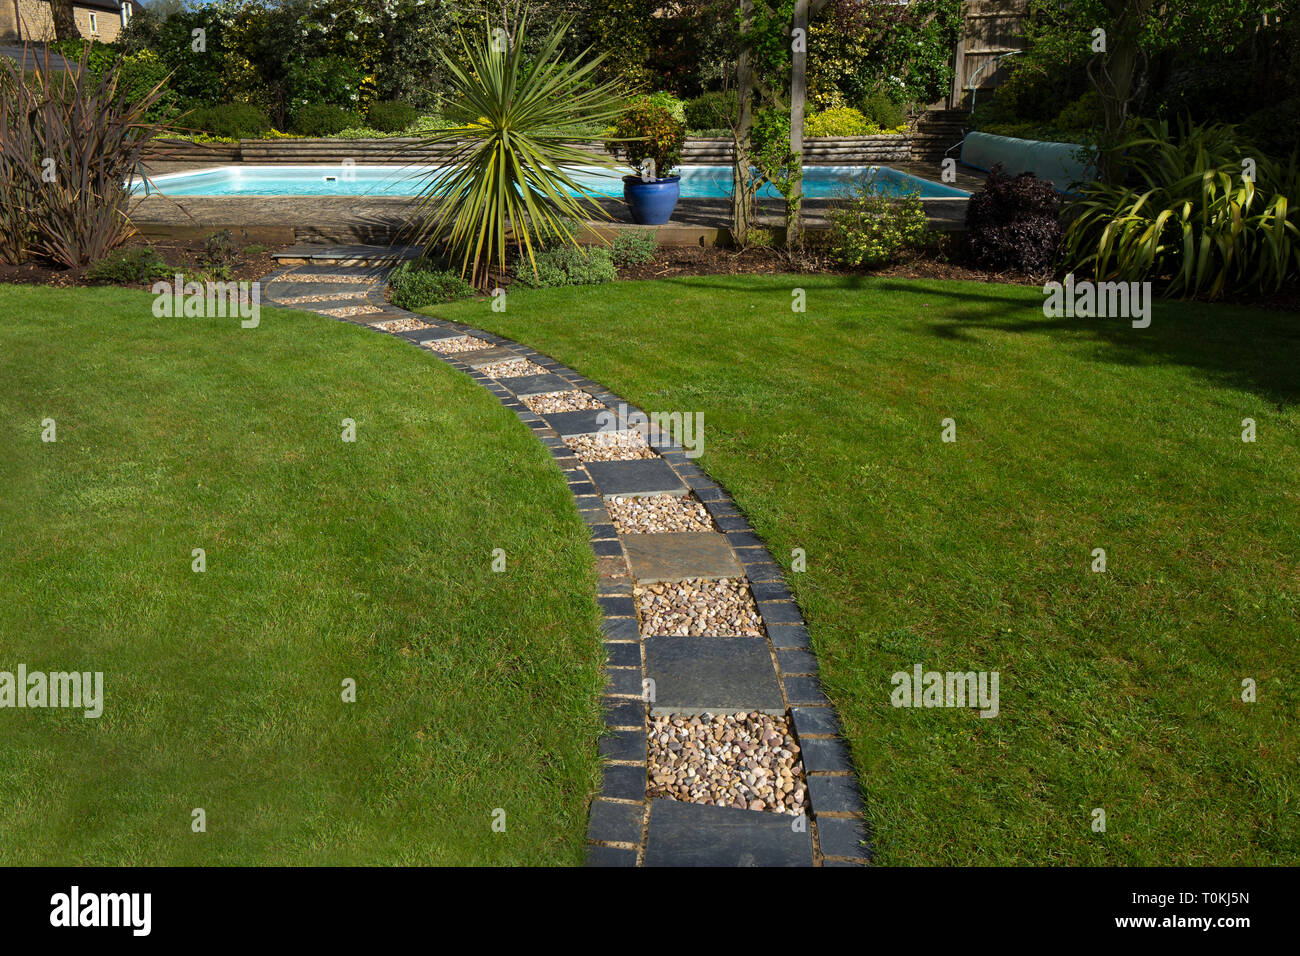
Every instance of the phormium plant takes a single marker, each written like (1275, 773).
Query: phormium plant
(70, 147)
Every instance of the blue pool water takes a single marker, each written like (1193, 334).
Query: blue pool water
(698, 182)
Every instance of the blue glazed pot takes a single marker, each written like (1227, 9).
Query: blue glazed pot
(651, 203)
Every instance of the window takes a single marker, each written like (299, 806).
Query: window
(94, 27)
(126, 14)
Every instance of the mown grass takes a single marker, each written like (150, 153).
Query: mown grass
(1120, 691)
(326, 560)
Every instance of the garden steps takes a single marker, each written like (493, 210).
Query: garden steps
(764, 681)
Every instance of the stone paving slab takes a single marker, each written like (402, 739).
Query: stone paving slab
(675, 556)
(481, 357)
(633, 479)
(536, 384)
(420, 336)
(697, 675)
(695, 834)
(587, 421)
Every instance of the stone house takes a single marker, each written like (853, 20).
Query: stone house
(31, 20)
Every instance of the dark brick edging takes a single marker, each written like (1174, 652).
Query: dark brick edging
(620, 818)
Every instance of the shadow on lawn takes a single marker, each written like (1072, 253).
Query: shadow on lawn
(1234, 346)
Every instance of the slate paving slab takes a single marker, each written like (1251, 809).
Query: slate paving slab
(696, 675)
(644, 476)
(677, 555)
(695, 834)
(843, 836)
(586, 421)
(481, 357)
(536, 384)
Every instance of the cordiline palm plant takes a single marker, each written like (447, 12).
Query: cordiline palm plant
(507, 176)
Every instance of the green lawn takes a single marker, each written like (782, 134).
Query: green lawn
(326, 560)
(1119, 691)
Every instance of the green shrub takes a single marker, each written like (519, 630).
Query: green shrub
(676, 108)
(232, 120)
(841, 121)
(879, 109)
(129, 267)
(568, 265)
(331, 80)
(322, 119)
(646, 130)
(391, 116)
(422, 282)
(634, 247)
(870, 228)
(1188, 213)
(1083, 115)
(712, 111)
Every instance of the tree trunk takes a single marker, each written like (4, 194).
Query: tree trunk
(741, 131)
(798, 103)
(1117, 77)
(65, 21)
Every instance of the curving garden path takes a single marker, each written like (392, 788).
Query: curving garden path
(711, 690)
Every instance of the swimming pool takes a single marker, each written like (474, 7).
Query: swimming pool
(698, 182)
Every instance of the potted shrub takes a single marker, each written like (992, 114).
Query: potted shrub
(650, 140)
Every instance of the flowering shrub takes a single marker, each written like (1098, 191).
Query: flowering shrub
(871, 228)
(327, 80)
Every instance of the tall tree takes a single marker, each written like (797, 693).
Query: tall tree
(741, 132)
(804, 10)
(65, 21)
(1117, 74)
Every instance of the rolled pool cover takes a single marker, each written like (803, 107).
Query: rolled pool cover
(1061, 164)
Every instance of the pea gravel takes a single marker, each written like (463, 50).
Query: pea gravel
(400, 325)
(746, 761)
(461, 343)
(656, 514)
(610, 446)
(512, 369)
(575, 400)
(697, 608)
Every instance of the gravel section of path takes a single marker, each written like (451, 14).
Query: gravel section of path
(698, 608)
(746, 761)
(329, 297)
(463, 343)
(515, 368)
(550, 402)
(610, 446)
(658, 513)
(350, 310)
(403, 325)
(327, 277)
